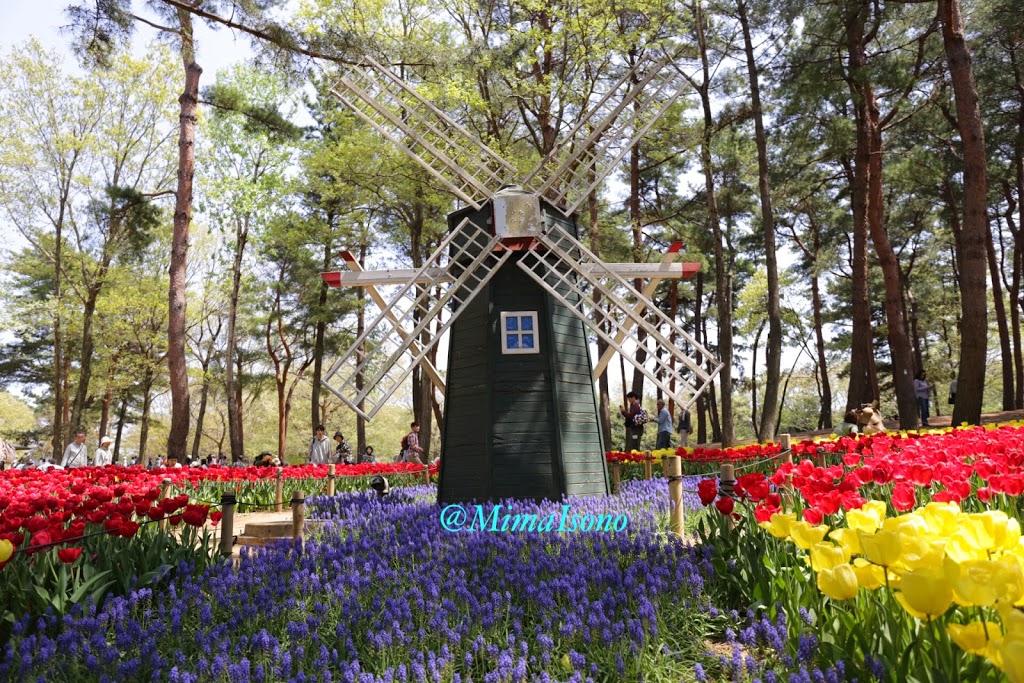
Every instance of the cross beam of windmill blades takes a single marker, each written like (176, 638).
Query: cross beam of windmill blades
(517, 292)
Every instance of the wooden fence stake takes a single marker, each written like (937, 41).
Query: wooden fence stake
(616, 474)
(330, 479)
(787, 457)
(673, 468)
(298, 516)
(727, 477)
(648, 466)
(279, 493)
(165, 492)
(227, 522)
(426, 474)
(822, 458)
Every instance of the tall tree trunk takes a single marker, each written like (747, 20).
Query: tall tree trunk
(176, 362)
(201, 417)
(361, 354)
(147, 404)
(603, 392)
(698, 326)
(773, 354)
(318, 338)
(863, 387)
(121, 414)
(723, 295)
(1006, 353)
(85, 359)
(973, 299)
(232, 386)
(825, 414)
(635, 222)
(903, 369)
(58, 342)
(108, 396)
(753, 378)
(239, 408)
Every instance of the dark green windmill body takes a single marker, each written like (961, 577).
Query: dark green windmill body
(519, 424)
(519, 292)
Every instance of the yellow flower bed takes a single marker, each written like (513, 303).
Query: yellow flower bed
(932, 558)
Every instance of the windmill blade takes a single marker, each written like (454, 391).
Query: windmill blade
(450, 153)
(585, 156)
(428, 368)
(557, 269)
(471, 258)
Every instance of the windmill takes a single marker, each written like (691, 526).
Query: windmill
(518, 290)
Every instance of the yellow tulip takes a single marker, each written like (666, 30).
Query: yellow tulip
(1011, 653)
(805, 535)
(976, 636)
(925, 593)
(882, 547)
(868, 518)
(943, 519)
(847, 538)
(779, 524)
(919, 553)
(869, 576)
(827, 556)
(6, 550)
(838, 583)
(982, 582)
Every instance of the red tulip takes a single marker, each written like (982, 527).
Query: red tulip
(725, 505)
(68, 555)
(707, 490)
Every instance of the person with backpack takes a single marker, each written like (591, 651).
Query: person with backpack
(411, 445)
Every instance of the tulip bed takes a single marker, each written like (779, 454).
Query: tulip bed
(903, 553)
(67, 536)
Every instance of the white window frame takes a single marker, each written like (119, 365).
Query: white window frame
(519, 315)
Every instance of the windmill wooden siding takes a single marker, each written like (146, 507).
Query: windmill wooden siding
(519, 425)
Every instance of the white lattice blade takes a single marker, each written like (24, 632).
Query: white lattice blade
(590, 320)
(414, 320)
(576, 167)
(441, 145)
(561, 243)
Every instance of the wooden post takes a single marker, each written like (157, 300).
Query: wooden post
(426, 474)
(784, 447)
(165, 492)
(279, 494)
(648, 466)
(822, 458)
(616, 474)
(727, 477)
(227, 522)
(673, 468)
(298, 516)
(330, 479)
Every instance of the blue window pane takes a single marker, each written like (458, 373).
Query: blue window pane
(512, 341)
(527, 322)
(527, 341)
(511, 323)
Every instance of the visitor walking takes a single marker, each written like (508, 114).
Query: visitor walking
(634, 429)
(952, 391)
(320, 447)
(921, 390)
(102, 455)
(684, 428)
(411, 448)
(77, 453)
(664, 426)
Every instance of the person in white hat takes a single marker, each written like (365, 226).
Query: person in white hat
(102, 456)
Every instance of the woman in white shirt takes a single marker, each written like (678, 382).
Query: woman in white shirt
(103, 456)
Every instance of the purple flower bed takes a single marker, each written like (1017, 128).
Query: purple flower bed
(385, 594)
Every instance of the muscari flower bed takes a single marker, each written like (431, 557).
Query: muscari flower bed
(384, 594)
